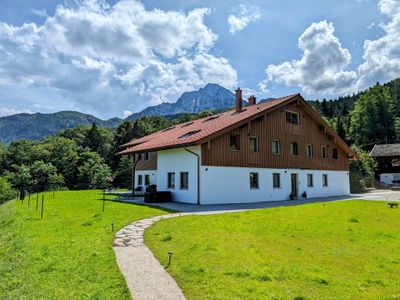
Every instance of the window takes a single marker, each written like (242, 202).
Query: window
(292, 117)
(335, 153)
(294, 149)
(234, 142)
(276, 180)
(310, 180)
(211, 118)
(324, 180)
(139, 180)
(310, 151)
(324, 152)
(254, 180)
(171, 180)
(253, 143)
(146, 156)
(187, 134)
(276, 147)
(146, 180)
(139, 157)
(184, 180)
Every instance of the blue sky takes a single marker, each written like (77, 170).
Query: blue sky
(110, 58)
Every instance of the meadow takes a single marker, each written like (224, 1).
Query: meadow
(336, 250)
(68, 254)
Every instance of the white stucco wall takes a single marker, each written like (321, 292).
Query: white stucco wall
(231, 184)
(153, 178)
(178, 160)
(387, 178)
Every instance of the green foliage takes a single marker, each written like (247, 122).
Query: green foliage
(316, 251)
(68, 254)
(20, 177)
(372, 119)
(64, 156)
(123, 173)
(93, 172)
(6, 191)
(397, 129)
(362, 171)
(44, 175)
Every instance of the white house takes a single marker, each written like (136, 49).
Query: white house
(262, 152)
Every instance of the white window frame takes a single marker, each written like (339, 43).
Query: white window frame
(325, 183)
(310, 181)
(310, 146)
(257, 148)
(279, 146)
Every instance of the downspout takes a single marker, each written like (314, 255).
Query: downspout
(198, 173)
(134, 163)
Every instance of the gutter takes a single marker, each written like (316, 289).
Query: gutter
(198, 173)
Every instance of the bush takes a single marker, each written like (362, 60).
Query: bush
(357, 183)
(6, 192)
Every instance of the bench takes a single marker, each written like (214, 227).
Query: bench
(393, 204)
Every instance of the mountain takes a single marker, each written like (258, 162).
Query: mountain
(37, 126)
(211, 97)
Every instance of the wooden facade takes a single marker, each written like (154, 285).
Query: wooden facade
(150, 164)
(274, 126)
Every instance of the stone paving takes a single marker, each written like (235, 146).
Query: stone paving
(132, 235)
(145, 276)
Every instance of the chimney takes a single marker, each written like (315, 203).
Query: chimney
(252, 100)
(239, 100)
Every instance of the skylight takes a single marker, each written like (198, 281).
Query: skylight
(190, 133)
(187, 124)
(168, 129)
(211, 118)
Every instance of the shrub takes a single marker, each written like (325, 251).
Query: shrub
(6, 192)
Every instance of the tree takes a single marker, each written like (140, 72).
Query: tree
(20, 177)
(24, 152)
(64, 156)
(372, 119)
(42, 175)
(6, 191)
(93, 172)
(93, 139)
(397, 129)
(3, 151)
(362, 171)
(123, 173)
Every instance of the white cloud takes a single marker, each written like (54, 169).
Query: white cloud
(105, 59)
(243, 18)
(382, 56)
(322, 69)
(127, 113)
(4, 111)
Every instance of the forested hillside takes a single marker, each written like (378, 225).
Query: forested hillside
(366, 118)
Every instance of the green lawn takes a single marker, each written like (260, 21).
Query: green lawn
(68, 254)
(337, 250)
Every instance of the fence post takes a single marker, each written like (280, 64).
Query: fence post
(29, 200)
(41, 214)
(37, 201)
(104, 199)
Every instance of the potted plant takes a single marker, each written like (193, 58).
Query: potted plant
(291, 196)
(304, 195)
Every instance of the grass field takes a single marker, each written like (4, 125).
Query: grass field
(68, 254)
(337, 250)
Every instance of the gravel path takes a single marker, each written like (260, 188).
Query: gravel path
(145, 276)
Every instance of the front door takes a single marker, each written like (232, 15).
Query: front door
(294, 185)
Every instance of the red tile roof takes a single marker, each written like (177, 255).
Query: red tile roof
(198, 131)
(177, 135)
